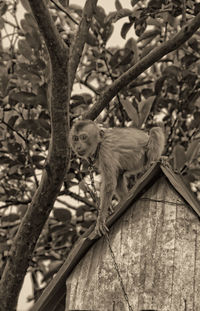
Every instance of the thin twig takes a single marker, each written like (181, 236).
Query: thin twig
(64, 10)
(14, 130)
(184, 12)
(66, 204)
(89, 86)
(10, 23)
(77, 197)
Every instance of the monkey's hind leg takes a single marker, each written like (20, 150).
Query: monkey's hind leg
(121, 188)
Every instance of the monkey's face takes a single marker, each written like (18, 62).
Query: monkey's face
(84, 141)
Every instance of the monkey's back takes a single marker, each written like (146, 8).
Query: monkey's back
(124, 148)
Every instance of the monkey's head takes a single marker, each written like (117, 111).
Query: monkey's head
(84, 138)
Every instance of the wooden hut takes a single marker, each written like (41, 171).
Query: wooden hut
(150, 259)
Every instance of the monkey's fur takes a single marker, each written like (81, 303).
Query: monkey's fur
(115, 152)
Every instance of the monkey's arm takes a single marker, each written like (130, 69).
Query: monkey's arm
(108, 186)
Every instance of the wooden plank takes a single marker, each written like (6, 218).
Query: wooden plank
(178, 183)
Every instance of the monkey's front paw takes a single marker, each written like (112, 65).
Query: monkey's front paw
(101, 228)
(164, 161)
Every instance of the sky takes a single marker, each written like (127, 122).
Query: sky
(115, 40)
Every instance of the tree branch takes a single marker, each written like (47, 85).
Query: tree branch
(155, 55)
(77, 46)
(49, 31)
(57, 163)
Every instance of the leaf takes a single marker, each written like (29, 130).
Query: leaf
(25, 68)
(30, 20)
(195, 172)
(106, 34)
(126, 57)
(188, 60)
(146, 50)
(192, 151)
(10, 218)
(53, 268)
(179, 157)
(82, 209)
(33, 78)
(83, 186)
(3, 8)
(1, 23)
(197, 102)
(131, 111)
(62, 214)
(172, 70)
(131, 44)
(5, 160)
(25, 26)
(154, 22)
(38, 127)
(196, 8)
(118, 5)
(33, 40)
(69, 177)
(140, 28)
(26, 5)
(37, 158)
(14, 148)
(159, 84)
(4, 246)
(24, 97)
(113, 17)
(76, 8)
(100, 15)
(25, 49)
(4, 80)
(12, 120)
(144, 109)
(149, 34)
(65, 3)
(79, 99)
(193, 43)
(195, 124)
(125, 28)
(134, 2)
(91, 40)
(41, 97)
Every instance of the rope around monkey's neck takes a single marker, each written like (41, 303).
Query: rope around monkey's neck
(94, 157)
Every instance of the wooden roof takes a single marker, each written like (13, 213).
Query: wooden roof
(55, 292)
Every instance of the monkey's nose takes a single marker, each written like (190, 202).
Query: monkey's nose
(78, 148)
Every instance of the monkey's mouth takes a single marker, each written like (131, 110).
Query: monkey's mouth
(81, 153)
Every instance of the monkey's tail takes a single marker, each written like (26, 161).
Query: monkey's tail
(155, 145)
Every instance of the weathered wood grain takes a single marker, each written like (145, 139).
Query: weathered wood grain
(156, 246)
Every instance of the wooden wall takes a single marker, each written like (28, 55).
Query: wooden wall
(157, 248)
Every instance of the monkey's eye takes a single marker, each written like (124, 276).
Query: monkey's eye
(83, 137)
(75, 138)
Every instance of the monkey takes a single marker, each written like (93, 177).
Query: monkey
(116, 152)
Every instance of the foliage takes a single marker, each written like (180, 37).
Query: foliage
(168, 92)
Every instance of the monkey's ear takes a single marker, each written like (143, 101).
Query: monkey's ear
(101, 134)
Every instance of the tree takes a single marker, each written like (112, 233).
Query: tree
(155, 74)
